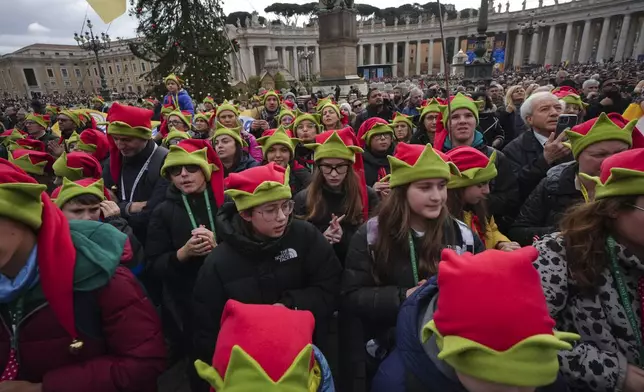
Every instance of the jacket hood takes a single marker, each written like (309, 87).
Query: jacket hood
(100, 248)
(232, 229)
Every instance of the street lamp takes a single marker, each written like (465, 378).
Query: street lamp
(94, 43)
(531, 26)
(307, 56)
(480, 70)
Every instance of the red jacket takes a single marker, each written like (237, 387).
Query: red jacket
(129, 354)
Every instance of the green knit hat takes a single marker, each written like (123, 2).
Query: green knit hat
(21, 202)
(203, 116)
(401, 118)
(71, 189)
(414, 162)
(187, 154)
(621, 175)
(258, 185)
(209, 100)
(329, 144)
(173, 135)
(74, 138)
(235, 133)
(599, 129)
(74, 116)
(473, 166)
(302, 116)
(327, 103)
(32, 162)
(378, 129)
(281, 136)
(461, 101)
(174, 78)
(270, 93)
(433, 106)
(42, 120)
(184, 116)
(285, 111)
(228, 106)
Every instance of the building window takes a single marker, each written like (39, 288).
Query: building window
(57, 54)
(109, 67)
(71, 54)
(133, 67)
(125, 69)
(50, 73)
(30, 75)
(53, 83)
(78, 72)
(142, 66)
(63, 72)
(129, 89)
(79, 82)
(118, 69)
(139, 89)
(95, 71)
(42, 53)
(102, 70)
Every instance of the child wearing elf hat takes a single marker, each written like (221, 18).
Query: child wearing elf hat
(177, 96)
(278, 145)
(591, 143)
(134, 166)
(399, 248)
(265, 257)
(306, 127)
(329, 114)
(572, 102)
(266, 358)
(203, 126)
(467, 191)
(377, 139)
(286, 117)
(210, 105)
(182, 231)
(266, 116)
(338, 200)
(93, 142)
(482, 325)
(228, 116)
(403, 127)
(232, 149)
(76, 166)
(428, 124)
(76, 321)
(591, 273)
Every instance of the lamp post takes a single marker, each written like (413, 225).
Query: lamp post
(480, 70)
(307, 56)
(531, 26)
(95, 43)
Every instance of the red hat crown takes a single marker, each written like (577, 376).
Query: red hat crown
(97, 138)
(250, 179)
(347, 136)
(586, 126)
(217, 176)
(629, 159)
(271, 132)
(368, 124)
(90, 165)
(35, 157)
(466, 157)
(31, 144)
(409, 153)
(130, 115)
(563, 91)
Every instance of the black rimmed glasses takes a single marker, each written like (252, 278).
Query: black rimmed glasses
(328, 169)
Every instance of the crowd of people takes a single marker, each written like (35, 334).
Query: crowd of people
(435, 237)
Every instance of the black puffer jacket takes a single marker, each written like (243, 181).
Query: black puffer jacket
(246, 162)
(373, 163)
(491, 128)
(298, 270)
(545, 207)
(138, 261)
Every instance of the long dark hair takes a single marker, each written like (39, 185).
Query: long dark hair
(585, 228)
(316, 205)
(457, 206)
(394, 224)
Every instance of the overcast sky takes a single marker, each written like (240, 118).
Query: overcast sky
(57, 20)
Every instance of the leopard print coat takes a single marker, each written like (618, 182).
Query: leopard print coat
(599, 360)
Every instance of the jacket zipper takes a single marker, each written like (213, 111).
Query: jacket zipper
(11, 330)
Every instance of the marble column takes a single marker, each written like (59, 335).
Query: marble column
(518, 50)
(394, 60)
(296, 64)
(603, 41)
(251, 54)
(534, 48)
(457, 45)
(430, 57)
(566, 54)
(360, 54)
(621, 42)
(550, 46)
(316, 63)
(442, 59)
(639, 49)
(406, 59)
(585, 42)
(372, 54)
(418, 57)
(280, 55)
(383, 53)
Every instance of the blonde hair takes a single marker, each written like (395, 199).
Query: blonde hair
(509, 103)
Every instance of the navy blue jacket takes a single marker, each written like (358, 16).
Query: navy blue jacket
(408, 368)
(182, 100)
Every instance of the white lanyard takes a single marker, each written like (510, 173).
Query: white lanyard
(138, 176)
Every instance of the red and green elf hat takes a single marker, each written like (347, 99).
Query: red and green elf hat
(570, 96)
(209, 100)
(262, 348)
(149, 103)
(304, 116)
(23, 200)
(235, 133)
(167, 108)
(327, 103)
(270, 93)
(77, 165)
(93, 142)
(285, 111)
(128, 121)
(414, 162)
(72, 189)
(503, 335)
(432, 106)
(200, 153)
(281, 136)
(72, 115)
(184, 116)
(371, 127)
(99, 99)
(460, 101)
(228, 106)
(207, 117)
(10, 135)
(473, 166)
(621, 175)
(174, 78)
(40, 119)
(402, 118)
(52, 109)
(258, 185)
(33, 162)
(605, 127)
(174, 137)
(29, 144)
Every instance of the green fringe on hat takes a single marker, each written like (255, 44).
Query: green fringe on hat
(460, 101)
(279, 137)
(70, 190)
(333, 147)
(266, 192)
(429, 165)
(62, 170)
(120, 128)
(21, 202)
(177, 156)
(603, 129)
(235, 133)
(473, 176)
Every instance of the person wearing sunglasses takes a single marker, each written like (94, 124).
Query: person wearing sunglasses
(182, 231)
(591, 273)
(265, 257)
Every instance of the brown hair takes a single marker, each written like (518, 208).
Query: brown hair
(585, 228)
(316, 204)
(457, 206)
(394, 224)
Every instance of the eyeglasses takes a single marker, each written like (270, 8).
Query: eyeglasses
(328, 169)
(176, 170)
(271, 214)
(383, 136)
(357, 106)
(636, 207)
(175, 122)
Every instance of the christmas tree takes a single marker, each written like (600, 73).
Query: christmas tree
(186, 37)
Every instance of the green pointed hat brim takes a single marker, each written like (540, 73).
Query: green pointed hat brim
(334, 148)
(72, 116)
(69, 190)
(266, 142)
(120, 128)
(531, 362)
(475, 175)
(37, 119)
(181, 116)
(232, 132)
(379, 129)
(574, 100)
(202, 116)
(603, 129)
(331, 105)
(74, 138)
(402, 119)
(244, 374)
(284, 113)
(227, 106)
(15, 135)
(177, 156)
(25, 163)
(621, 182)
(314, 118)
(21, 202)
(429, 165)
(91, 148)
(172, 77)
(461, 102)
(434, 107)
(266, 192)
(174, 134)
(61, 169)
(270, 93)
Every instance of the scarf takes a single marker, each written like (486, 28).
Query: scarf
(27, 278)
(476, 143)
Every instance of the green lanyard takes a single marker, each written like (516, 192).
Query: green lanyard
(618, 276)
(412, 254)
(192, 217)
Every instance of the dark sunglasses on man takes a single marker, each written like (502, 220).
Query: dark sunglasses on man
(176, 170)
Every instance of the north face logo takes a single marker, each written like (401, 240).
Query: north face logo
(286, 254)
